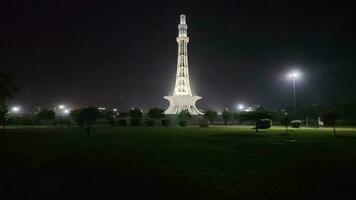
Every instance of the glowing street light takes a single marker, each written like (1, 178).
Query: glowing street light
(15, 109)
(66, 111)
(61, 107)
(294, 76)
(240, 107)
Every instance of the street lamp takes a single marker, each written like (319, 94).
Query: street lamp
(294, 76)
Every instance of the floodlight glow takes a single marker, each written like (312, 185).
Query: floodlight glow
(102, 108)
(61, 106)
(249, 109)
(66, 111)
(294, 75)
(16, 109)
(115, 109)
(240, 106)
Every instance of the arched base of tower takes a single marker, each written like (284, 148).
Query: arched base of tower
(184, 102)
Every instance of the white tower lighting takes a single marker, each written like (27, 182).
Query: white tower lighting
(182, 98)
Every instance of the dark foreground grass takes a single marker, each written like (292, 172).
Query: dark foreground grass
(177, 163)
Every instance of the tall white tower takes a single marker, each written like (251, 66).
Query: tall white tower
(182, 98)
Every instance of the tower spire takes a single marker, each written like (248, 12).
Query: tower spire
(182, 19)
(182, 98)
(182, 86)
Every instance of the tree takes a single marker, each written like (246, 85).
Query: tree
(75, 115)
(123, 115)
(46, 114)
(135, 113)
(7, 90)
(211, 116)
(136, 116)
(3, 113)
(86, 117)
(227, 116)
(183, 116)
(7, 86)
(256, 116)
(329, 118)
(109, 116)
(285, 121)
(156, 113)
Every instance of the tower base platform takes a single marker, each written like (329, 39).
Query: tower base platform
(178, 103)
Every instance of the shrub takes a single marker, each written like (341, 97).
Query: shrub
(165, 122)
(296, 123)
(135, 122)
(150, 122)
(155, 113)
(263, 124)
(203, 123)
(182, 123)
(122, 122)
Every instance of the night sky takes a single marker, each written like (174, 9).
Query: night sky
(123, 53)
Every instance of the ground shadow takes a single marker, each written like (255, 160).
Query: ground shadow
(344, 136)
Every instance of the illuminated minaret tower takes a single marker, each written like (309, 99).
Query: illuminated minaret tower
(182, 98)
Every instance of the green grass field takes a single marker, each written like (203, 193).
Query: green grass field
(177, 163)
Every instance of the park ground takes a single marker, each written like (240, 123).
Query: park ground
(177, 163)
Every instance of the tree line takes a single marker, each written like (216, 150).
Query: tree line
(85, 117)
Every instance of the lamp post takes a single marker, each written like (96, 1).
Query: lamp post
(294, 76)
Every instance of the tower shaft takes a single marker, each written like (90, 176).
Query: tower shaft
(182, 86)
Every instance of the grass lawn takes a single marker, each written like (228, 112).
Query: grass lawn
(177, 163)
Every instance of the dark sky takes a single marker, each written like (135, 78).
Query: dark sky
(123, 53)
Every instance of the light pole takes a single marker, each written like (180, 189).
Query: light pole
(294, 76)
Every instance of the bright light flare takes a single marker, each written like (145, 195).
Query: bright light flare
(240, 107)
(16, 109)
(61, 106)
(249, 109)
(294, 75)
(66, 111)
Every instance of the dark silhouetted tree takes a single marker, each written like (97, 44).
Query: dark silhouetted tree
(211, 116)
(109, 116)
(86, 117)
(3, 113)
(227, 116)
(136, 116)
(7, 90)
(75, 116)
(7, 86)
(156, 113)
(285, 121)
(183, 117)
(135, 113)
(329, 118)
(46, 114)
